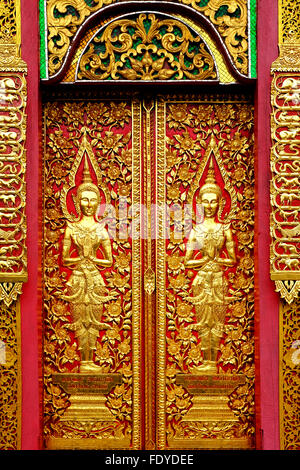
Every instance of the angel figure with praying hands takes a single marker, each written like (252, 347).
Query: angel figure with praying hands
(87, 249)
(210, 250)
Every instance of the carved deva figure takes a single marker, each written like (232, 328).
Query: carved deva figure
(215, 250)
(86, 291)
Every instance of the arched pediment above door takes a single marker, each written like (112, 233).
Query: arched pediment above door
(206, 41)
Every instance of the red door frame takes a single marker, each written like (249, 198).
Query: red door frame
(268, 300)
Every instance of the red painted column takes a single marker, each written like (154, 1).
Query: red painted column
(267, 40)
(29, 298)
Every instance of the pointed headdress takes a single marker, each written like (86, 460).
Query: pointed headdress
(211, 185)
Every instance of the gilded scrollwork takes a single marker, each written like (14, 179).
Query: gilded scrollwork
(88, 319)
(190, 127)
(229, 17)
(146, 48)
(63, 19)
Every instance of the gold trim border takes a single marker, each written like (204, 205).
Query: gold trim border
(161, 274)
(136, 279)
(10, 294)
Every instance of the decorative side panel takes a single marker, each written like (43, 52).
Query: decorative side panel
(205, 273)
(10, 377)
(91, 275)
(285, 184)
(285, 215)
(13, 259)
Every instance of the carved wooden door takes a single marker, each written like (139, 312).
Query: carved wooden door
(148, 291)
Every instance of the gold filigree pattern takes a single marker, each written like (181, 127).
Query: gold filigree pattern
(289, 20)
(63, 19)
(289, 374)
(98, 133)
(10, 377)
(8, 21)
(190, 126)
(230, 17)
(146, 48)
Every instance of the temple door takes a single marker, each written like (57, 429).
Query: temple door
(148, 292)
(148, 228)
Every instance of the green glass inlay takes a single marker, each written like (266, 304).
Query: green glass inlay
(70, 10)
(147, 25)
(252, 39)
(223, 10)
(203, 3)
(90, 3)
(43, 43)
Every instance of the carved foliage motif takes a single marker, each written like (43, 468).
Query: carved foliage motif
(146, 48)
(8, 22)
(63, 20)
(9, 378)
(190, 128)
(290, 363)
(289, 20)
(230, 17)
(108, 130)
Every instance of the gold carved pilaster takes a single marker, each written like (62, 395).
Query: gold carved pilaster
(13, 261)
(285, 166)
(285, 213)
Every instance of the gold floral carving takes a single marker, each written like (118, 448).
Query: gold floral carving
(9, 21)
(231, 25)
(87, 141)
(10, 377)
(63, 19)
(289, 374)
(191, 412)
(146, 48)
(289, 20)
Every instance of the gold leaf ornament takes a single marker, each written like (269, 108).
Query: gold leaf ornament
(146, 48)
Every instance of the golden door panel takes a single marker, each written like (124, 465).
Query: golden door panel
(205, 274)
(155, 194)
(91, 275)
